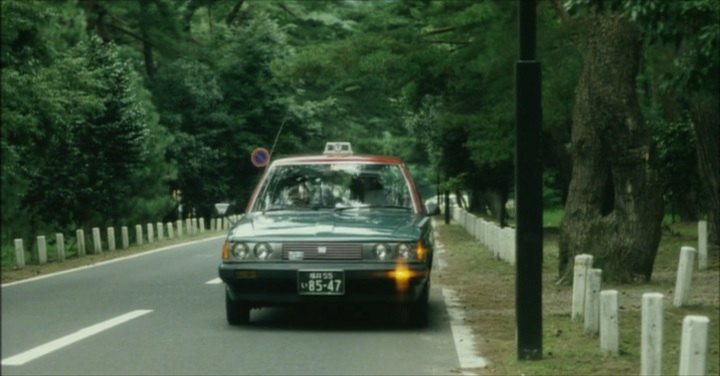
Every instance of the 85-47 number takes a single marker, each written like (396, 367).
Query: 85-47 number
(321, 283)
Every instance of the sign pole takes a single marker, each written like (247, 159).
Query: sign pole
(528, 189)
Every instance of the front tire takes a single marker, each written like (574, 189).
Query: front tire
(415, 314)
(237, 313)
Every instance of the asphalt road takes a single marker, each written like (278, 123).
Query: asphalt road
(157, 314)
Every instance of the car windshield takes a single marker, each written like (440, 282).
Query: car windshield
(336, 186)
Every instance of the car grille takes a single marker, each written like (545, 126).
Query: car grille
(332, 251)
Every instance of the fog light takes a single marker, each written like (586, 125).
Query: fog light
(402, 275)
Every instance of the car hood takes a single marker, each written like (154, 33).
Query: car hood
(349, 225)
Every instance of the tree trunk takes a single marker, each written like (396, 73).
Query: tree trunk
(705, 110)
(614, 207)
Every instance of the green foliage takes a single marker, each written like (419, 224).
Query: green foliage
(676, 153)
(167, 96)
(72, 148)
(694, 28)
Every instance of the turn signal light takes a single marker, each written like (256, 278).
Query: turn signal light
(226, 251)
(420, 250)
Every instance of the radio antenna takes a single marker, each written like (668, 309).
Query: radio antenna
(277, 136)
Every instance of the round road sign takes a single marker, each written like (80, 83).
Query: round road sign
(260, 157)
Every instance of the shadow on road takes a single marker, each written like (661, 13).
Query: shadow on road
(318, 317)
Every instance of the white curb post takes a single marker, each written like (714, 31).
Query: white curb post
(651, 338)
(477, 229)
(42, 249)
(592, 302)
(194, 226)
(60, 246)
(150, 233)
(609, 329)
(170, 232)
(97, 245)
(694, 344)
(202, 225)
(702, 245)
(80, 237)
(138, 234)
(111, 238)
(681, 294)
(125, 237)
(188, 226)
(19, 254)
(178, 223)
(583, 263)
(160, 235)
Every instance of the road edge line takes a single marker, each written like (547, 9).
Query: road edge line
(118, 259)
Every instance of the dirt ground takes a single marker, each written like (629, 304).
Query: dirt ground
(486, 289)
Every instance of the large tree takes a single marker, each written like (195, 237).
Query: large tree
(614, 207)
(690, 33)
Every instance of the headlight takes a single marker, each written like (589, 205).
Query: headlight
(240, 251)
(263, 251)
(383, 252)
(405, 251)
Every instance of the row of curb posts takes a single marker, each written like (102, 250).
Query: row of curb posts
(599, 309)
(498, 240)
(193, 226)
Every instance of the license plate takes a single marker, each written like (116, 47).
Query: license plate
(321, 282)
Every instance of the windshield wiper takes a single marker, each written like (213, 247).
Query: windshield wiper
(373, 207)
(276, 208)
(388, 207)
(318, 207)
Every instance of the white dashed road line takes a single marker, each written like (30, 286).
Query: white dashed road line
(34, 353)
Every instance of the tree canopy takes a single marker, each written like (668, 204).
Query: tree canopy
(135, 110)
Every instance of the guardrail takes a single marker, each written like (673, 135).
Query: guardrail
(154, 232)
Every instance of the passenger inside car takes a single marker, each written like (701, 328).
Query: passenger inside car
(368, 190)
(298, 195)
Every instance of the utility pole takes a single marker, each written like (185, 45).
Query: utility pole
(528, 191)
(447, 207)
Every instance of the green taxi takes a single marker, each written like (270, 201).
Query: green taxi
(331, 228)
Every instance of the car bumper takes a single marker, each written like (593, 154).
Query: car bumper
(260, 284)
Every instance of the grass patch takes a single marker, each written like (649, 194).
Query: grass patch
(553, 217)
(486, 289)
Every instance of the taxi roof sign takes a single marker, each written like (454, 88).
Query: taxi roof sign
(338, 148)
